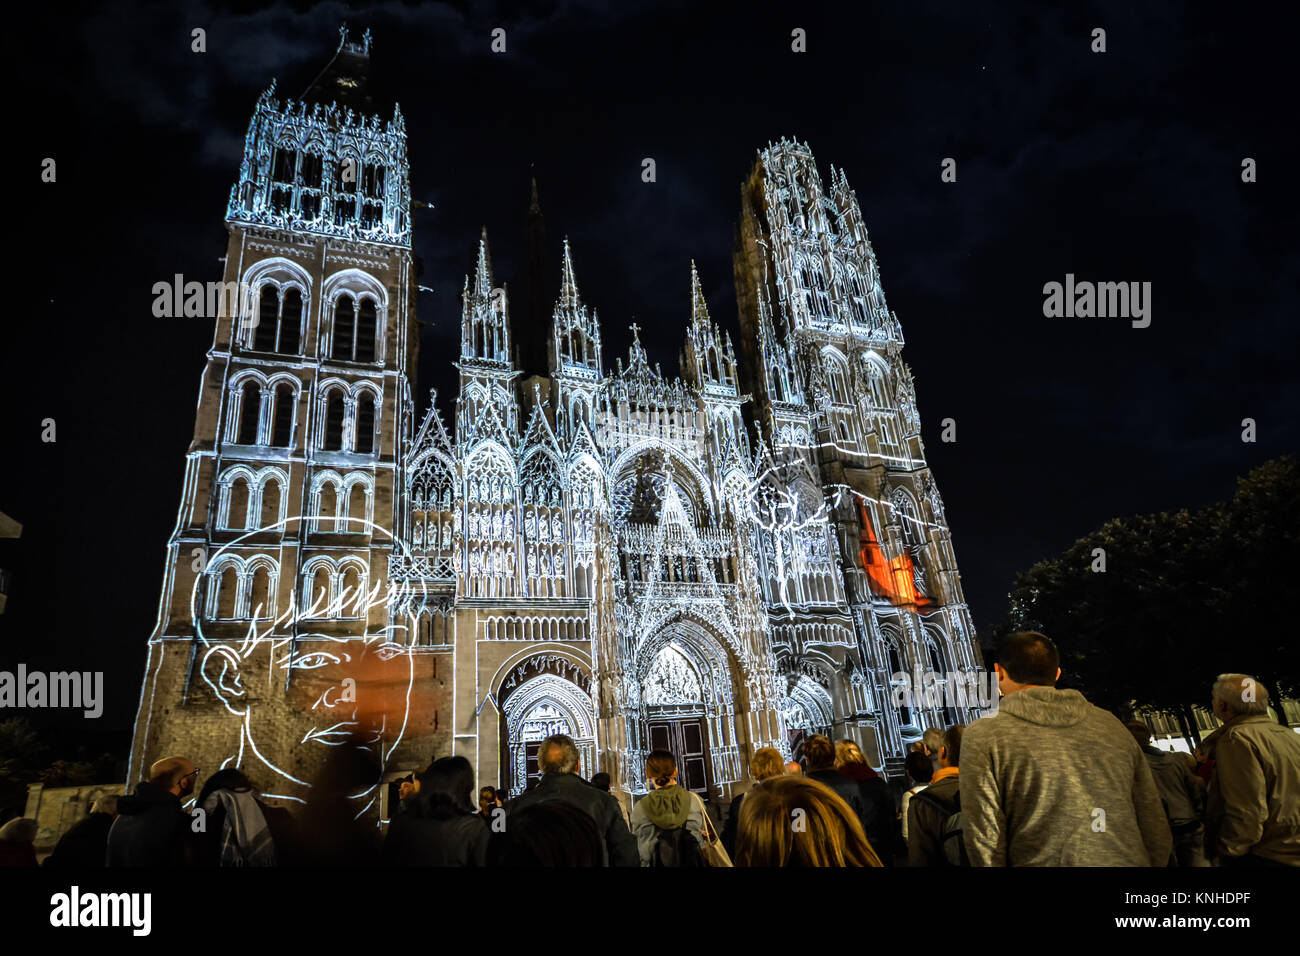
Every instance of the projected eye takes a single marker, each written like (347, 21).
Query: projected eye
(308, 662)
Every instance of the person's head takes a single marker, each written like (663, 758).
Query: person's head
(557, 754)
(931, 741)
(1140, 731)
(600, 781)
(819, 753)
(847, 752)
(1238, 695)
(918, 767)
(661, 768)
(1027, 659)
(449, 782)
(487, 798)
(766, 764)
(105, 803)
(795, 821)
(229, 779)
(174, 774)
(19, 830)
(950, 749)
(794, 768)
(548, 834)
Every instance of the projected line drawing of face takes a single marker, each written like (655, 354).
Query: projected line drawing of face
(294, 699)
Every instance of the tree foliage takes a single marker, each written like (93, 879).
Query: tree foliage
(1183, 597)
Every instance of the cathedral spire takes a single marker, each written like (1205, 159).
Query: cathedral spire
(699, 307)
(568, 285)
(575, 334)
(483, 270)
(485, 319)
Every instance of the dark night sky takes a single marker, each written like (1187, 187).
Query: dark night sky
(1116, 166)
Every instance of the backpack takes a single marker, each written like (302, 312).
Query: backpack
(950, 826)
(676, 847)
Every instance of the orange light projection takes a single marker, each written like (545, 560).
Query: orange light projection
(891, 578)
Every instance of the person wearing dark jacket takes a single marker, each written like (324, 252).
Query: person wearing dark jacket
(84, 846)
(928, 809)
(764, 765)
(876, 808)
(17, 839)
(441, 826)
(151, 828)
(819, 765)
(1182, 797)
(557, 758)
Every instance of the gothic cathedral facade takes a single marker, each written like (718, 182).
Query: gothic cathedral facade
(738, 556)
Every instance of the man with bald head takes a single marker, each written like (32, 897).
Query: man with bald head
(557, 758)
(1253, 809)
(152, 828)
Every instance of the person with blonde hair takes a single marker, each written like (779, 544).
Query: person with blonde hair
(879, 814)
(764, 765)
(797, 822)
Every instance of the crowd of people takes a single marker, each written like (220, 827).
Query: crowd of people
(1049, 780)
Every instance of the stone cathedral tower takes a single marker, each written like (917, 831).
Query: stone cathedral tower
(840, 432)
(275, 577)
(734, 556)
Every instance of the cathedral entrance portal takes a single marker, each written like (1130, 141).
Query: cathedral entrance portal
(687, 695)
(684, 739)
(533, 709)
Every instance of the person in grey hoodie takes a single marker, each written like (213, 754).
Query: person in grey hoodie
(666, 807)
(1051, 780)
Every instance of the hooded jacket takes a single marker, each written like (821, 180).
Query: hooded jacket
(151, 829)
(1051, 780)
(1254, 799)
(664, 809)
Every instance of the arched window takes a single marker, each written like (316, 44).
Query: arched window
(335, 411)
(237, 514)
(270, 502)
(250, 412)
(357, 510)
(351, 596)
(259, 600)
(365, 431)
(367, 326)
(345, 328)
(320, 591)
(896, 667)
(290, 323)
(228, 593)
(282, 424)
(268, 315)
(327, 508)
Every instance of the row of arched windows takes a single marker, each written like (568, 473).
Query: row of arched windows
(853, 284)
(263, 412)
(297, 186)
(242, 589)
(279, 324)
(250, 501)
(245, 589)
